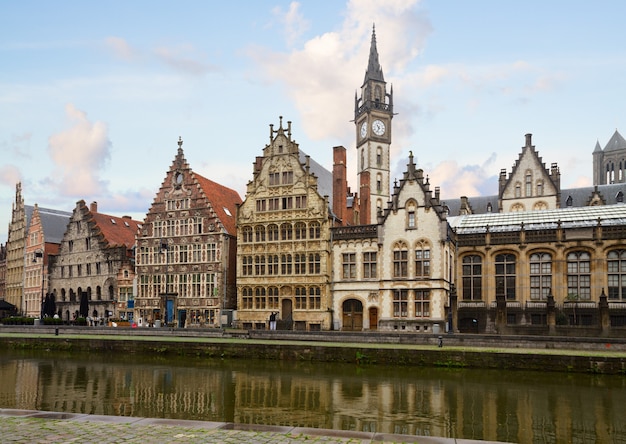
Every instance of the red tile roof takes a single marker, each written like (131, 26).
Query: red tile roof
(223, 201)
(117, 230)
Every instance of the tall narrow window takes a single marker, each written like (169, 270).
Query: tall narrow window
(314, 263)
(400, 303)
(369, 265)
(422, 261)
(259, 265)
(349, 265)
(617, 274)
(400, 260)
(529, 184)
(579, 275)
(505, 276)
(315, 299)
(540, 275)
(422, 303)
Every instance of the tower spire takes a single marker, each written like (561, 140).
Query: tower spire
(374, 70)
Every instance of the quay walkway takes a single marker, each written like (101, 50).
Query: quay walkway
(38, 427)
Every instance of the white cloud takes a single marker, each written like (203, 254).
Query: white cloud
(121, 48)
(455, 180)
(10, 175)
(79, 154)
(293, 21)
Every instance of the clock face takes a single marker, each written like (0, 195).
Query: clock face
(364, 129)
(378, 127)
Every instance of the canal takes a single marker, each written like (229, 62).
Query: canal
(514, 406)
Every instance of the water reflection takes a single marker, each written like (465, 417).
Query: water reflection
(523, 407)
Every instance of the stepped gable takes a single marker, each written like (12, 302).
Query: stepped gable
(223, 201)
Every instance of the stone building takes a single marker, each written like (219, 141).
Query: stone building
(396, 275)
(609, 164)
(44, 234)
(14, 282)
(186, 260)
(283, 249)
(84, 272)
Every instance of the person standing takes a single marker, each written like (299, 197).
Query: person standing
(273, 320)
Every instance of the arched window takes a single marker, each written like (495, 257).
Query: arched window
(314, 230)
(422, 259)
(540, 275)
(518, 190)
(616, 262)
(246, 298)
(260, 301)
(540, 188)
(579, 275)
(272, 232)
(246, 234)
(259, 232)
(505, 276)
(400, 260)
(286, 232)
(300, 230)
(472, 278)
(411, 221)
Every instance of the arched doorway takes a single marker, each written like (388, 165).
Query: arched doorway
(286, 318)
(373, 318)
(352, 315)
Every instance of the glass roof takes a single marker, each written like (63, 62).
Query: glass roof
(540, 219)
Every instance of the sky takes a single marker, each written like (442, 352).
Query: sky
(94, 95)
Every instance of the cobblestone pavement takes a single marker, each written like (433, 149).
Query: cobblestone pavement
(27, 426)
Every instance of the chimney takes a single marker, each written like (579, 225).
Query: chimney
(93, 207)
(340, 184)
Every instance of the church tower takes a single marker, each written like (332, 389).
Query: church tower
(373, 112)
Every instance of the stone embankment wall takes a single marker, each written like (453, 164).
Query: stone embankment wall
(459, 351)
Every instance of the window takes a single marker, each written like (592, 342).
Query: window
(272, 232)
(315, 300)
(518, 189)
(259, 233)
(286, 232)
(286, 263)
(246, 234)
(314, 230)
(274, 179)
(379, 183)
(272, 264)
(287, 203)
(274, 204)
(349, 265)
(505, 276)
(422, 261)
(400, 303)
(300, 263)
(529, 184)
(300, 201)
(540, 276)
(211, 288)
(411, 219)
(195, 285)
(259, 298)
(261, 205)
(422, 303)
(287, 177)
(211, 250)
(579, 275)
(540, 188)
(259, 265)
(272, 298)
(314, 263)
(88, 244)
(300, 298)
(247, 266)
(400, 260)
(246, 298)
(196, 253)
(369, 265)
(617, 274)
(183, 257)
(379, 156)
(300, 230)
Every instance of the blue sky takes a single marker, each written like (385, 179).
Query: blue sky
(94, 95)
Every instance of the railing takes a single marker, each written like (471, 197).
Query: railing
(373, 104)
(354, 232)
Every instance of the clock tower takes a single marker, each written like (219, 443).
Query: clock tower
(373, 112)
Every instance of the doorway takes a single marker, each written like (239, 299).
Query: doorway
(286, 315)
(373, 318)
(352, 315)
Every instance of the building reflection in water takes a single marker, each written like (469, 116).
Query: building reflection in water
(520, 407)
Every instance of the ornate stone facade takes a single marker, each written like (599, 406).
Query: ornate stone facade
(83, 275)
(283, 260)
(186, 258)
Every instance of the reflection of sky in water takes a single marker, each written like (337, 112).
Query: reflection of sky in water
(505, 406)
